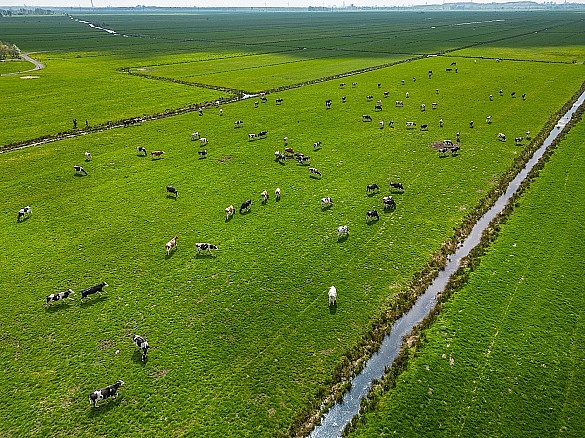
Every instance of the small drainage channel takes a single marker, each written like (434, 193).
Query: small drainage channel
(341, 414)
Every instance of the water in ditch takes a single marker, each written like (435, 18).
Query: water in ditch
(341, 414)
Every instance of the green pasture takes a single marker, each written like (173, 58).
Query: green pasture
(505, 356)
(242, 342)
(14, 66)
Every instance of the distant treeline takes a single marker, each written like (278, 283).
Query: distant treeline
(24, 11)
(8, 51)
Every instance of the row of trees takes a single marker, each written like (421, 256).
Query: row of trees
(8, 50)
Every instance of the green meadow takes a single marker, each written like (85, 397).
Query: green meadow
(242, 341)
(505, 355)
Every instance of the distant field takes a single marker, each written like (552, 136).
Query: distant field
(505, 356)
(243, 342)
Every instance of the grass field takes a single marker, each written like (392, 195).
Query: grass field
(505, 357)
(242, 341)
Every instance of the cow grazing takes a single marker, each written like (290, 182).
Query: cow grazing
(343, 99)
(342, 231)
(256, 104)
(369, 97)
(397, 186)
(313, 171)
(410, 125)
(381, 124)
(203, 141)
(245, 206)
(303, 159)
(204, 247)
(332, 294)
(501, 136)
(471, 123)
(141, 343)
(434, 105)
(277, 193)
(87, 156)
(326, 202)
(513, 94)
(229, 212)
(202, 154)
(423, 107)
(279, 100)
(406, 95)
(200, 111)
(386, 93)
(251, 137)
(458, 137)
(221, 112)
(501, 92)
(279, 157)
(518, 140)
(108, 391)
(342, 85)
(441, 123)
(389, 203)
(353, 84)
(371, 188)
(424, 127)
(264, 196)
(264, 99)
(391, 124)
(454, 63)
(527, 135)
(285, 139)
(262, 133)
(140, 150)
(156, 154)
(488, 119)
(79, 170)
(378, 108)
(372, 214)
(447, 143)
(59, 296)
(399, 103)
(455, 150)
(328, 103)
(491, 97)
(366, 118)
(173, 191)
(93, 289)
(316, 145)
(289, 151)
(171, 244)
(238, 124)
(403, 81)
(23, 213)
(195, 136)
(443, 151)
(524, 96)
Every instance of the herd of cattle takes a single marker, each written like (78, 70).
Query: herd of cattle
(388, 203)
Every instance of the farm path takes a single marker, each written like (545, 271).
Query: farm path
(26, 56)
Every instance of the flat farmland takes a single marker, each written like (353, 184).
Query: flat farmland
(505, 355)
(242, 342)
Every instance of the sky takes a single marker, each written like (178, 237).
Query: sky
(241, 3)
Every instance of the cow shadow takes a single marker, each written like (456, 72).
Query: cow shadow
(372, 222)
(314, 176)
(333, 308)
(370, 194)
(327, 207)
(281, 162)
(94, 300)
(169, 255)
(245, 212)
(388, 210)
(229, 218)
(203, 255)
(342, 239)
(23, 219)
(137, 357)
(169, 195)
(107, 405)
(56, 307)
(79, 175)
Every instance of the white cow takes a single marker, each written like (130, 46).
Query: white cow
(87, 156)
(277, 193)
(195, 136)
(332, 296)
(342, 231)
(203, 141)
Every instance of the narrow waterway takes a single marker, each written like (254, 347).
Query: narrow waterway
(341, 414)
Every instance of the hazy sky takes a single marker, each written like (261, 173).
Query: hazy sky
(224, 3)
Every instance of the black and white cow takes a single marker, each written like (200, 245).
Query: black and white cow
(369, 97)
(378, 108)
(343, 99)
(279, 100)
(501, 136)
(203, 141)
(59, 296)
(23, 213)
(245, 206)
(251, 137)
(399, 103)
(455, 150)
(518, 140)
(87, 156)
(172, 190)
(326, 202)
(424, 127)
(238, 123)
(443, 151)
(371, 188)
(372, 214)
(277, 193)
(328, 103)
(366, 118)
(410, 125)
(202, 154)
(141, 343)
(79, 170)
(316, 145)
(140, 150)
(303, 159)
(471, 123)
(195, 136)
(389, 203)
(108, 391)
(205, 247)
(93, 289)
(313, 171)
(397, 186)
(342, 231)
(264, 196)
(279, 157)
(262, 133)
